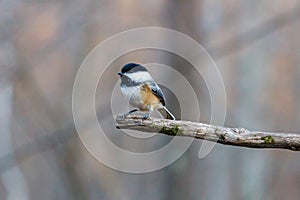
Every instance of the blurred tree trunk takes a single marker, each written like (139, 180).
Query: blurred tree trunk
(252, 70)
(12, 179)
(184, 16)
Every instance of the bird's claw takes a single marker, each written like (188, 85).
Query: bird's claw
(121, 116)
(146, 116)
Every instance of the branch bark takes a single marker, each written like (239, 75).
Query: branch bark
(222, 135)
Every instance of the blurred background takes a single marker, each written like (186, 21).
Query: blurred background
(256, 46)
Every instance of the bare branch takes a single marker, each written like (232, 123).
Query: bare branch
(223, 135)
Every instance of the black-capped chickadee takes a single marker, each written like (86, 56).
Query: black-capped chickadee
(141, 90)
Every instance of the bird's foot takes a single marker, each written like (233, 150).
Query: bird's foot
(122, 116)
(146, 116)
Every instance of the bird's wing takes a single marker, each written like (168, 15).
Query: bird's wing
(158, 92)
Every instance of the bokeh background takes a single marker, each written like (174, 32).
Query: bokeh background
(255, 44)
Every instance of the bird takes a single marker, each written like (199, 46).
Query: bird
(143, 93)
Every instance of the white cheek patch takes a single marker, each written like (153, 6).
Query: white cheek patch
(140, 76)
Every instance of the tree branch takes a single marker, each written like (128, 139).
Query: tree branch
(223, 135)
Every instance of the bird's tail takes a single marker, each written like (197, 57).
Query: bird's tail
(166, 113)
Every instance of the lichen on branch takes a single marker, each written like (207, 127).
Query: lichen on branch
(224, 135)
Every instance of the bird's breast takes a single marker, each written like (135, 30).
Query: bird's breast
(140, 97)
(128, 92)
(133, 94)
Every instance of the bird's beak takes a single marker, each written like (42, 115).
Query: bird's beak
(120, 74)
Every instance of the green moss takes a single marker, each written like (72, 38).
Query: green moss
(268, 139)
(170, 131)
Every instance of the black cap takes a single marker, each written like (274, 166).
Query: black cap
(132, 67)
